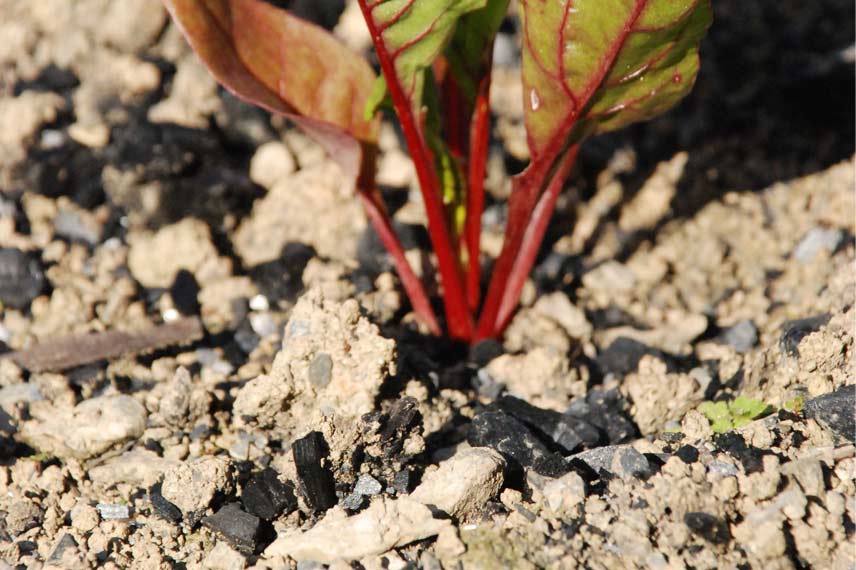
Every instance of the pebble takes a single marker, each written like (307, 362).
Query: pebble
(266, 497)
(239, 528)
(835, 411)
(817, 240)
(621, 460)
(315, 480)
(564, 493)
(463, 483)
(88, 429)
(192, 485)
(113, 511)
(353, 502)
(21, 278)
(384, 525)
(65, 544)
(367, 485)
(741, 337)
(708, 527)
(722, 469)
(321, 370)
(11, 396)
(604, 409)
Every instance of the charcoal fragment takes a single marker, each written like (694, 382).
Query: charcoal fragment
(835, 411)
(567, 433)
(21, 278)
(688, 454)
(794, 331)
(239, 528)
(266, 497)
(163, 508)
(315, 479)
(708, 527)
(184, 292)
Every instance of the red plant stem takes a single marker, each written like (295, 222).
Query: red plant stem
(479, 140)
(379, 218)
(458, 316)
(522, 207)
(532, 240)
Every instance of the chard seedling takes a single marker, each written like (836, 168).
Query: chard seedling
(588, 66)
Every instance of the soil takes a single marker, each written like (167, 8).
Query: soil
(209, 363)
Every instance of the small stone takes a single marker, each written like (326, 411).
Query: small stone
(64, 545)
(193, 485)
(321, 370)
(367, 485)
(402, 482)
(84, 517)
(315, 479)
(240, 529)
(240, 449)
(816, 240)
(24, 392)
(835, 411)
(794, 331)
(266, 497)
(564, 493)
(708, 527)
(633, 464)
(353, 502)
(90, 428)
(722, 469)
(21, 278)
(688, 454)
(224, 557)
(622, 356)
(741, 337)
(462, 483)
(113, 511)
(384, 525)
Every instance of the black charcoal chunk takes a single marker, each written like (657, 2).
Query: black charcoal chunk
(184, 292)
(266, 497)
(163, 508)
(605, 410)
(688, 454)
(794, 331)
(709, 527)
(513, 440)
(239, 528)
(21, 278)
(567, 433)
(835, 411)
(315, 479)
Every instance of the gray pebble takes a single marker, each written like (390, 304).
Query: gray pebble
(113, 511)
(742, 336)
(367, 485)
(816, 240)
(722, 469)
(321, 370)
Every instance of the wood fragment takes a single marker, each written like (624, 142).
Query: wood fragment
(66, 352)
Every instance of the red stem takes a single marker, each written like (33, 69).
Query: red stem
(479, 140)
(458, 316)
(532, 240)
(526, 213)
(412, 285)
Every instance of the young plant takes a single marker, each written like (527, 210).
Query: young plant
(588, 67)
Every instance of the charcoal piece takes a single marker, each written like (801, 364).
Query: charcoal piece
(835, 411)
(239, 528)
(688, 454)
(315, 480)
(21, 278)
(484, 351)
(709, 527)
(184, 292)
(734, 445)
(565, 432)
(604, 409)
(402, 482)
(266, 497)
(402, 417)
(163, 508)
(511, 438)
(794, 331)
(622, 356)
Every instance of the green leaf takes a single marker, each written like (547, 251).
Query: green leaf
(724, 416)
(470, 51)
(591, 66)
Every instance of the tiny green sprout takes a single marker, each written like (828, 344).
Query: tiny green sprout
(725, 416)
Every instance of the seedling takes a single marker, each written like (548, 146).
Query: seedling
(725, 416)
(587, 67)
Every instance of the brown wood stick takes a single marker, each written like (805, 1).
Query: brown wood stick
(66, 352)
